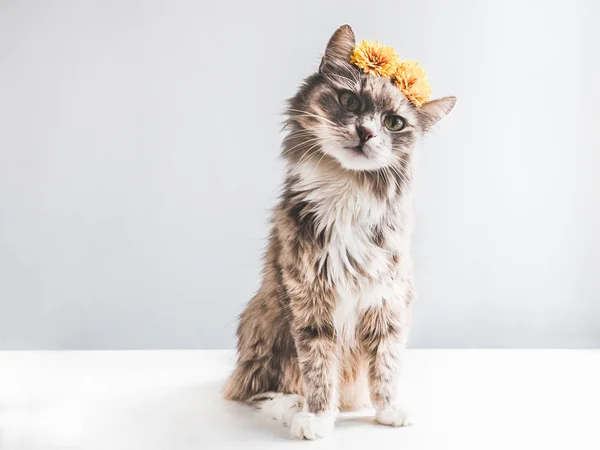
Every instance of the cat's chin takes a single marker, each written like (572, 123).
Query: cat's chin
(354, 159)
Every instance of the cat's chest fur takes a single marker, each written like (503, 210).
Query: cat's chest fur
(367, 247)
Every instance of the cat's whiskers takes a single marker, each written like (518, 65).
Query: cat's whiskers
(309, 159)
(380, 177)
(355, 76)
(353, 73)
(304, 135)
(310, 114)
(347, 82)
(321, 125)
(317, 165)
(403, 179)
(305, 153)
(307, 141)
(311, 147)
(323, 142)
(297, 133)
(313, 154)
(391, 177)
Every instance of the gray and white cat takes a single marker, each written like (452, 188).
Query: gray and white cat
(328, 325)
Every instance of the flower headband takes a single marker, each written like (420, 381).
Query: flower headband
(383, 61)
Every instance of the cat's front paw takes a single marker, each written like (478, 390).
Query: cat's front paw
(306, 425)
(392, 415)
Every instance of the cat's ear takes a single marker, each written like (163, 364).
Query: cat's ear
(339, 48)
(434, 111)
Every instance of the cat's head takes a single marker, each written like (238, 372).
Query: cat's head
(361, 121)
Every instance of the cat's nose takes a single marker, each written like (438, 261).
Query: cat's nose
(364, 133)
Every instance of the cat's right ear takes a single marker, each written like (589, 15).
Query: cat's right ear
(339, 48)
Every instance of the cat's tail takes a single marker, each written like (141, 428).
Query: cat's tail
(278, 406)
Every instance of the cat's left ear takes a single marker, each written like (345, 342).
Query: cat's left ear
(434, 111)
(339, 48)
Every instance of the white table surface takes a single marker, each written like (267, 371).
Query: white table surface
(170, 400)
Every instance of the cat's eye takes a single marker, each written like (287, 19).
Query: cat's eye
(394, 123)
(349, 101)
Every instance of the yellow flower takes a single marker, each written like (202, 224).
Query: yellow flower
(374, 58)
(412, 80)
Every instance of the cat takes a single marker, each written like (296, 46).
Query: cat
(327, 328)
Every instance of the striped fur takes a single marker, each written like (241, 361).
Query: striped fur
(331, 317)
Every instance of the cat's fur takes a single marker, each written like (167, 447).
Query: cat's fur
(327, 327)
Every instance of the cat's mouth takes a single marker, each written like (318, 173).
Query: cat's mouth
(356, 156)
(358, 150)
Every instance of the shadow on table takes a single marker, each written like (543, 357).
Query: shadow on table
(189, 417)
(195, 417)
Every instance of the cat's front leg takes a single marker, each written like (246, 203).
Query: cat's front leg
(318, 354)
(383, 340)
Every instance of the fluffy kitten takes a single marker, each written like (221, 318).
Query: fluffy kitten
(327, 327)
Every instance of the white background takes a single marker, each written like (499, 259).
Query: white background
(138, 163)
